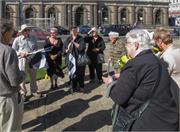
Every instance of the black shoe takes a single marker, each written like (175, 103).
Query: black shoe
(56, 86)
(52, 87)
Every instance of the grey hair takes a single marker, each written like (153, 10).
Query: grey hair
(5, 26)
(140, 36)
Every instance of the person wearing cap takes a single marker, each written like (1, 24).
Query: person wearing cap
(24, 44)
(73, 46)
(96, 46)
(11, 102)
(54, 57)
(117, 49)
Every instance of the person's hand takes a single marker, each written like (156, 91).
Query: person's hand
(53, 57)
(117, 76)
(110, 59)
(107, 80)
(76, 44)
(23, 54)
(95, 49)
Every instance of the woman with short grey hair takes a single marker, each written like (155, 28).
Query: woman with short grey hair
(140, 38)
(144, 81)
(11, 106)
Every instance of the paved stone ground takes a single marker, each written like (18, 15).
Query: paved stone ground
(62, 111)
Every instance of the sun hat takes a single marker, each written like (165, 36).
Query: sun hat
(23, 27)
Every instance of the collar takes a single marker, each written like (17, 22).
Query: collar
(142, 52)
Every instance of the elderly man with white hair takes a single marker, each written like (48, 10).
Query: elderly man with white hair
(117, 49)
(144, 88)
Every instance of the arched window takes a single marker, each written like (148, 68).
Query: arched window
(105, 16)
(140, 16)
(51, 12)
(123, 16)
(79, 16)
(158, 16)
(29, 13)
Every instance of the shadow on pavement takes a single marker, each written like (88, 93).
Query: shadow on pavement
(67, 110)
(92, 122)
(48, 99)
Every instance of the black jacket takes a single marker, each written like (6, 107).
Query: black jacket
(134, 88)
(76, 51)
(99, 43)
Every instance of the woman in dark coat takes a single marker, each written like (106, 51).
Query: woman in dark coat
(136, 83)
(96, 47)
(73, 46)
(54, 57)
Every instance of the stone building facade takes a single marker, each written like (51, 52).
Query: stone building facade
(91, 12)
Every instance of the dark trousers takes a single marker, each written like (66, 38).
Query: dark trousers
(79, 79)
(98, 68)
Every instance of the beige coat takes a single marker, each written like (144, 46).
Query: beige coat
(172, 56)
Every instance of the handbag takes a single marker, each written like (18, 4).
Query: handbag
(123, 120)
(83, 60)
(100, 58)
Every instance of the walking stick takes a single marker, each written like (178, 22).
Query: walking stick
(108, 68)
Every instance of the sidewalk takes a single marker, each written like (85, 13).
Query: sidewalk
(62, 111)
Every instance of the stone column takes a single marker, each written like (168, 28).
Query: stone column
(86, 15)
(95, 15)
(165, 17)
(114, 15)
(132, 15)
(59, 15)
(91, 16)
(17, 16)
(13, 16)
(149, 16)
(41, 10)
(69, 16)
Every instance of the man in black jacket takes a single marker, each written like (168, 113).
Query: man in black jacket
(96, 46)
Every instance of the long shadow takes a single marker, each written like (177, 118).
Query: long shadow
(48, 99)
(57, 94)
(69, 109)
(92, 122)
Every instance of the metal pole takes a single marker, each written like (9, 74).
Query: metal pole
(21, 15)
(0, 9)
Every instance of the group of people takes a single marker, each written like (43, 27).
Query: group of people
(147, 84)
(142, 77)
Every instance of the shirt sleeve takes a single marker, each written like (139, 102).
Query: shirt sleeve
(15, 76)
(15, 45)
(125, 86)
